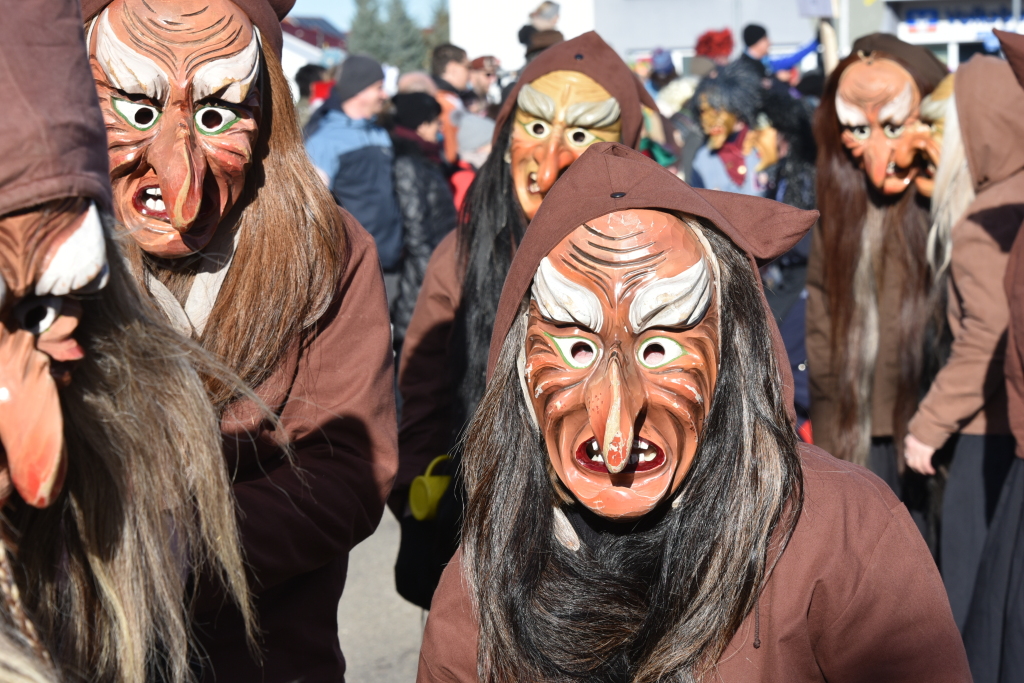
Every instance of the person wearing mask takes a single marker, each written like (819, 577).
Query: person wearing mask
(355, 156)
(449, 66)
(428, 211)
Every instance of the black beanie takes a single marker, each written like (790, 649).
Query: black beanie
(358, 73)
(753, 33)
(414, 108)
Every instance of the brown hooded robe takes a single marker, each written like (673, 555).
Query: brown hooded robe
(424, 371)
(333, 394)
(855, 595)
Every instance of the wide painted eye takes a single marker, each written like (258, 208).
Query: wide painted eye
(36, 314)
(892, 131)
(579, 136)
(214, 120)
(659, 351)
(138, 115)
(577, 352)
(538, 129)
(860, 132)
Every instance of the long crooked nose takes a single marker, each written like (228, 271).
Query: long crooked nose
(552, 157)
(877, 155)
(613, 405)
(181, 169)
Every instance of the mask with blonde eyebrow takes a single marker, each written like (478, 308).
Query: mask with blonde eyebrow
(878, 106)
(178, 83)
(621, 358)
(557, 117)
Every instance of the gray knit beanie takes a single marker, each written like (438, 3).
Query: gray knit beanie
(358, 73)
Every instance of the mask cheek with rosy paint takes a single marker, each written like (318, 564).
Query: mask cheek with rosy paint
(50, 257)
(180, 142)
(621, 411)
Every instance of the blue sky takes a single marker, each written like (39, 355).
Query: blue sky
(340, 12)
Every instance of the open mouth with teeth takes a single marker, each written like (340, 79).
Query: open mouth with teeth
(533, 186)
(643, 456)
(149, 201)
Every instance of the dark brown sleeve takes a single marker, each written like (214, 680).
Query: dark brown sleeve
(340, 417)
(819, 356)
(423, 376)
(1014, 285)
(448, 653)
(897, 625)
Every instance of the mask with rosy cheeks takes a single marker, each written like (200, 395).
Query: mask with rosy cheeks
(878, 103)
(46, 257)
(718, 124)
(621, 357)
(178, 86)
(557, 117)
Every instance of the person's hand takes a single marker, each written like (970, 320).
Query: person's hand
(918, 455)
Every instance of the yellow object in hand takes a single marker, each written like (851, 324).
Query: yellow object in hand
(427, 489)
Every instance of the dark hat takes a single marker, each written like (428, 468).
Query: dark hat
(414, 108)
(922, 64)
(53, 143)
(589, 55)
(610, 177)
(358, 73)
(265, 14)
(753, 33)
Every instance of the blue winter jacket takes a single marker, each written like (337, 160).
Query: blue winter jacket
(356, 156)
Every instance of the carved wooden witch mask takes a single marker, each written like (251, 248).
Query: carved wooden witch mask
(178, 84)
(878, 105)
(48, 256)
(557, 117)
(621, 357)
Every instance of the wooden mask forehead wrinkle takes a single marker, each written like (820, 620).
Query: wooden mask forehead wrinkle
(182, 36)
(870, 83)
(569, 87)
(619, 252)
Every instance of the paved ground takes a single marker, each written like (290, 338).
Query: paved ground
(379, 631)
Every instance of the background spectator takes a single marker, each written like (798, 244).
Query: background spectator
(305, 78)
(449, 66)
(355, 155)
(425, 202)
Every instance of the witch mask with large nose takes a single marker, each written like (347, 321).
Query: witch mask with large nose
(48, 257)
(178, 84)
(621, 357)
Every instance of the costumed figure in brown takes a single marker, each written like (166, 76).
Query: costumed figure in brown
(639, 506)
(972, 135)
(868, 278)
(571, 96)
(994, 629)
(233, 236)
(113, 483)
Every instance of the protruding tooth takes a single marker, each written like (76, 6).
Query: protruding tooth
(158, 204)
(597, 458)
(643, 444)
(78, 261)
(156, 192)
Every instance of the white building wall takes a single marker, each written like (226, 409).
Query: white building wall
(491, 27)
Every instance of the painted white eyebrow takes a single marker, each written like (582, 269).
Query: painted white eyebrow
(849, 114)
(681, 300)
(230, 78)
(897, 110)
(593, 114)
(125, 68)
(536, 103)
(560, 299)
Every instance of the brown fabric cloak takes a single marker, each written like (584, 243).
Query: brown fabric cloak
(855, 595)
(266, 14)
(52, 140)
(424, 369)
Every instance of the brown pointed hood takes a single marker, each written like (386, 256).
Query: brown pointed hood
(611, 177)
(266, 14)
(989, 103)
(1013, 46)
(589, 55)
(52, 140)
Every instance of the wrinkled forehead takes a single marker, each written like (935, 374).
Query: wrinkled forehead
(644, 262)
(568, 87)
(144, 46)
(872, 83)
